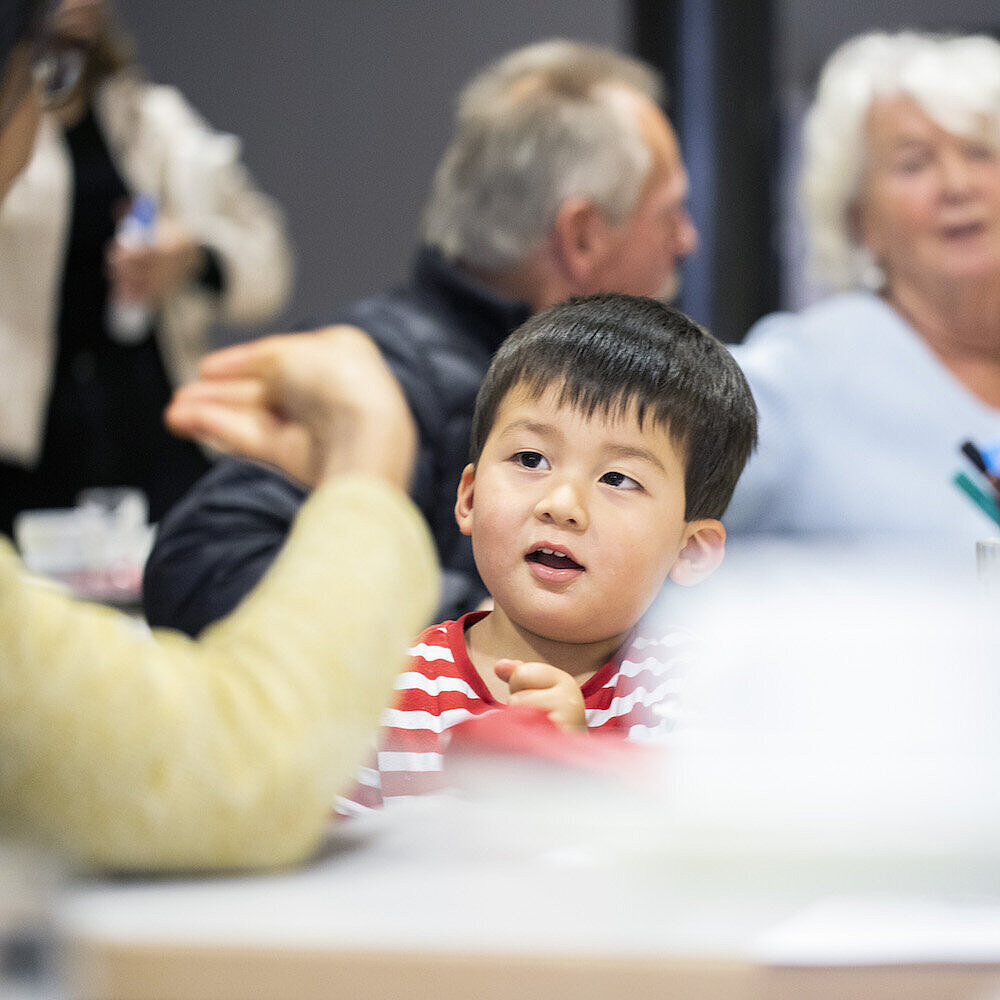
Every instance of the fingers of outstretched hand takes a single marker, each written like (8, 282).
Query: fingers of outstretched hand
(214, 410)
(332, 386)
(334, 366)
(227, 414)
(251, 360)
(248, 431)
(242, 392)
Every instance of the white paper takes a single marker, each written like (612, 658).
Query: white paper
(884, 930)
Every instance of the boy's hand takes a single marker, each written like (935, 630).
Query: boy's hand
(546, 687)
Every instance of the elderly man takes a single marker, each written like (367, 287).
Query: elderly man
(563, 178)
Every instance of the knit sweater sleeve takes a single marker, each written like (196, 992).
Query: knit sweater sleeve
(132, 749)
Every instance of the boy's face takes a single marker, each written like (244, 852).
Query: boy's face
(576, 522)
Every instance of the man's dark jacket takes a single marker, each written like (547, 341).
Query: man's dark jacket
(438, 335)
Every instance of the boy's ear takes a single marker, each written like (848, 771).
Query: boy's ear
(463, 503)
(702, 551)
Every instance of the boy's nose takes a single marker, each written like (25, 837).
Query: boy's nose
(563, 505)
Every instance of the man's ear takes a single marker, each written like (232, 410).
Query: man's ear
(463, 503)
(702, 551)
(580, 238)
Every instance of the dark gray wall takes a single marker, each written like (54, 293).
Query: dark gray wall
(344, 107)
(809, 30)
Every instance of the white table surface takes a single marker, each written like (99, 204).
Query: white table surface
(391, 910)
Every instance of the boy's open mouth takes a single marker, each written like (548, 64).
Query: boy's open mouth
(552, 559)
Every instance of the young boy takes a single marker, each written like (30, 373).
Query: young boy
(607, 440)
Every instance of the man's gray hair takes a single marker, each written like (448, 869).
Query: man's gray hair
(545, 123)
(955, 80)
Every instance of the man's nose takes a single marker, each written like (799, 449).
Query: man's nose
(686, 237)
(563, 504)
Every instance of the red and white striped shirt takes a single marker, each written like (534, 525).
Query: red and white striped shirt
(634, 694)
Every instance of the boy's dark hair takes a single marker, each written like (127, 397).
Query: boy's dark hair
(607, 352)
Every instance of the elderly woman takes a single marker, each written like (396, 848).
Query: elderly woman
(866, 397)
(81, 396)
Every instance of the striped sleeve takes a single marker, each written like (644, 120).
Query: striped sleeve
(640, 698)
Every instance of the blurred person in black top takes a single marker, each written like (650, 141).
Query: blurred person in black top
(83, 396)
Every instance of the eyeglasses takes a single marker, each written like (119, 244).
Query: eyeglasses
(54, 65)
(57, 71)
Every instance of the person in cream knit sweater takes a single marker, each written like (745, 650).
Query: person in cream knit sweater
(138, 750)
(130, 749)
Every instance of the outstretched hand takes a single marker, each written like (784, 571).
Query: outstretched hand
(546, 687)
(313, 404)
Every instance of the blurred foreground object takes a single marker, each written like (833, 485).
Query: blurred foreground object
(826, 825)
(841, 728)
(988, 566)
(96, 549)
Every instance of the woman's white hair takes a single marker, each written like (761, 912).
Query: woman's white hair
(544, 123)
(954, 79)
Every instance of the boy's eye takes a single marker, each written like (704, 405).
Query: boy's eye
(621, 481)
(531, 460)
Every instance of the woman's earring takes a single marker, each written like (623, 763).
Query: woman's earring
(868, 271)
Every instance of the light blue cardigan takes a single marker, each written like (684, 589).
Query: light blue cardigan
(860, 429)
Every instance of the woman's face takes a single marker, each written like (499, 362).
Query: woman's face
(929, 201)
(19, 113)
(80, 20)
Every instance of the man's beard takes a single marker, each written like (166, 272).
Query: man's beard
(670, 288)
